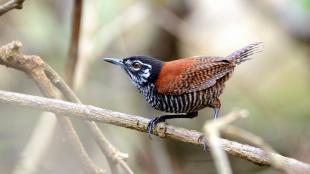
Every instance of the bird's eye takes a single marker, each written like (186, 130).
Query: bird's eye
(136, 65)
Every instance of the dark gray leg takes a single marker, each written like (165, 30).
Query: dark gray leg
(154, 121)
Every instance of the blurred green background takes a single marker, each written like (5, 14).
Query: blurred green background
(274, 86)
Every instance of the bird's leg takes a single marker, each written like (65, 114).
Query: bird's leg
(216, 105)
(216, 113)
(154, 121)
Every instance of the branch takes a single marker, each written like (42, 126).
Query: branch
(213, 129)
(46, 78)
(34, 67)
(250, 153)
(12, 4)
(276, 160)
(88, 112)
(105, 146)
(113, 154)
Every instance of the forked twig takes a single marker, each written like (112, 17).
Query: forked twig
(34, 67)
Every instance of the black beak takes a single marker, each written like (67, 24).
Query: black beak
(114, 61)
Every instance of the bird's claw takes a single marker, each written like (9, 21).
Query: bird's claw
(205, 146)
(151, 125)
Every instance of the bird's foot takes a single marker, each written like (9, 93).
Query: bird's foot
(203, 139)
(205, 146)
(152, 124)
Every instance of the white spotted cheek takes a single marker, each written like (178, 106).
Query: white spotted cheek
(146, 74)
(141, 78)
(134, 80)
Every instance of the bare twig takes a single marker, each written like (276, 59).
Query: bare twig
(276, 160)
(212, 129)
(51, 78)
(106, 147)
(74, 43)
(220, 157)
(10, 5)
(34, 67)
(250, 153)
(114, 155)
(95, 40)
(40, 138)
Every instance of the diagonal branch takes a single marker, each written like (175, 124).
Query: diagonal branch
(46, 78)
(105, 146)
(10, 5)
(34, 67)
(87, 112)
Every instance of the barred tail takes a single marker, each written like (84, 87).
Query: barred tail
(243, 54)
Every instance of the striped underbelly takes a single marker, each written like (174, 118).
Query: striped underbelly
(185, 103)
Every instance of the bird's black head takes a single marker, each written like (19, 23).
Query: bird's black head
(141, 69)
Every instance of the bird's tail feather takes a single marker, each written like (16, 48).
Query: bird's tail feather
(243, 54)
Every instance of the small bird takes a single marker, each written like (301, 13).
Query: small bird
(182, 86)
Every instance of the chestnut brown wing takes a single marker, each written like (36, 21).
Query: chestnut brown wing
(192, 74)
(205, 73)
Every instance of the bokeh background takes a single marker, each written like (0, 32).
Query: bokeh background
(274, 86)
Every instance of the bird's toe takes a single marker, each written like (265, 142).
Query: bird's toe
(151, 125)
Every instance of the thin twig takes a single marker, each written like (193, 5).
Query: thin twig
(73, 56)
(212, 129)
(222, 125)
(114, 156)
(87, 112)
(10, 5)
(95, 39)
(74, 42)
(276, 160)
(34, 67)
(220, 157)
